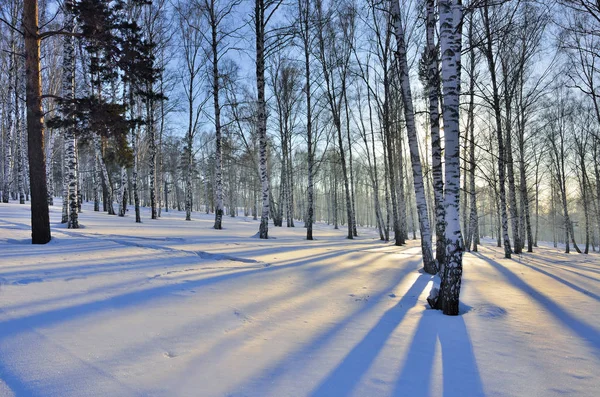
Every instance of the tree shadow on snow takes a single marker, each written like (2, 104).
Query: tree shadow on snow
(459, 367)
(583, 330)
(343, 379)
(461, 376)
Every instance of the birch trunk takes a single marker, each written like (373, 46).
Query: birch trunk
(70, 197)
(498, 115)
(352, 187)
(189, 169)
(512, 194)
(473, 230)
(450, 40)
(259, 16)
(433, 91)
(304, 9)
(525, 194)
(107, 185)
(401, 56)
(152, 160)
(10, 136)
(597, 175)
(334, 98)
(217, 109)
(49, 168)
(134, 175)
(123, 193)
(584, 195)
(372, 163)
(96, 183)
(20, 149)
(389, 148)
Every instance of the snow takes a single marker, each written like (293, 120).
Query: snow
(175, 308)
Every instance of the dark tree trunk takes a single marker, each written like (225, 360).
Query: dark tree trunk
(40, 218)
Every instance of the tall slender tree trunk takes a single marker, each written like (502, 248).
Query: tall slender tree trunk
(372, 164)
(450, 40)
(95, 184)
(401, 180)
(189, 168)
(217, 109)
(473, 229)
(152, 160)
(123, 193)
(304, 9)
(489, 53)
(20, 148)
(426, 244)
(389, 147)
(512, 190)
(525, 197)
(585, 200)
(134, 175)
(259, 16)
(350, 165)
(70, 177)
(50, 168)
(40, 218)
(106, 183)
(433, 90)
(569, 232)
(10, 135)
(597, 175)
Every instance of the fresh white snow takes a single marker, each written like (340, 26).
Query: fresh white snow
(175, 308)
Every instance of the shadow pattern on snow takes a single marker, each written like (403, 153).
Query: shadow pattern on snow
(586, 332)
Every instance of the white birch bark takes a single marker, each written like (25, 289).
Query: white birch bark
(95, 183)
(20, 149)
(9, 137)
(70, 196)
(304, 13)
(450, 42)
(188, 176)
(214, 24)
(134, 175)
(433, 89)
(473, 229)
(259, 16)
(489, 53)
(49, 168)
(401, 56)
(104, 176)
(123, 193)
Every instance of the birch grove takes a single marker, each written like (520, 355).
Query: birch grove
(435, 121)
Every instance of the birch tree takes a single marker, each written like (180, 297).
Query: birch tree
(409, 115)
(70, 178)
(9, 112)
(306, 38)
(450, 45)
(218, 14)
(334, 55)
(433, 92)
(190, 30)
(488, 51)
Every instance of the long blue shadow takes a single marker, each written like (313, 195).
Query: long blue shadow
(460, 372)
(586, 332)
(563, 281)
(320, 342)
(15, 326)
(348, 373)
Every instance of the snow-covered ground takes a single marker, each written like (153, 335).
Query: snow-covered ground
(175, 308)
